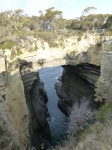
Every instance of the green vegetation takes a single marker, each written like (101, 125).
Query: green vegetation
(105, 112)
(6, 45)
(84, 134)
(49, 37)
(103, 118)
(20, 31)
(108, 23)
(96, 136)
(79, 38)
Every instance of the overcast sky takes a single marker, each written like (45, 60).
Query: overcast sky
(70, 8)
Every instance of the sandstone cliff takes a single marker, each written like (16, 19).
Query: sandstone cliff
(92, 51)
(12, 92)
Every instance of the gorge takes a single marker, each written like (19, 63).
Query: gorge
(87, 71)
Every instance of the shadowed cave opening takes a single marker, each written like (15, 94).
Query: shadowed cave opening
(65, 86)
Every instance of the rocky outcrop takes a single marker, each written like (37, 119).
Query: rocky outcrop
(77, 81)
(14, 103)
(84, 56)
(36, 97)
(38, 126)
(9, 137)
(12, 127)
(103, 91)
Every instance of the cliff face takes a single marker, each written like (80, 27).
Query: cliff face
(14, 105)
(103, 91)
(89, 68)
(77, 82)
(87, 74)
(36, 97)
(9, 137)
(23, 97)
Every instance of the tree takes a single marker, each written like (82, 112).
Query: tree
(19, 11)
(76, 24)
(109, 23)
(50, 20)
(88, 10)
(52, 14)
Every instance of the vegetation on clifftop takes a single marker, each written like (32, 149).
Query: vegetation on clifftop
(20, 31)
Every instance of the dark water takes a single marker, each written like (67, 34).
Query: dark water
(58, 124)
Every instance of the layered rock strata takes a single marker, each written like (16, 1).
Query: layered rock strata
(77, 81)
(92, 49)
(36, 97)
(103, 91)
(13, 110)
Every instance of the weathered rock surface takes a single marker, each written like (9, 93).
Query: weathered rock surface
(103, 91)
(38, 113)
(36, 96)
(77, 81)
(12, 91)
(92, 49)
(9, 138)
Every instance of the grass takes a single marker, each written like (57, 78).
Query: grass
(105, 112)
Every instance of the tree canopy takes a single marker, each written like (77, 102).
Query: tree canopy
(88, 9)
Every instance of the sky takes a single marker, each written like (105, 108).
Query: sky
(70, 8)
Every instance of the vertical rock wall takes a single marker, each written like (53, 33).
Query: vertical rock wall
(77, 82)
(36, 97)
(13, 110)
(104, 84)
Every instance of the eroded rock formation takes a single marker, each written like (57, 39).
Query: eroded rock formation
(9, 137)
(85, 56)
(77, 81)
(36, 97)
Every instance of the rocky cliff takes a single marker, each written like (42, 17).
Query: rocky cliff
(13, 102)
(36, 97)
(87, 74)
(89, 68)
(77, 82)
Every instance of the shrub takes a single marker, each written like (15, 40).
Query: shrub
(49, 37)
(105, 112)
(79, 37)
(41, 62)
(7, 45)
(19, 52)
(80, 117)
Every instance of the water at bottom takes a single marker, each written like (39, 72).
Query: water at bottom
(59, 122)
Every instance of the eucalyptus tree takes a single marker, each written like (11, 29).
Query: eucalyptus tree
(89, 10)
(109, 23)
(17, 17)
(50, 17)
